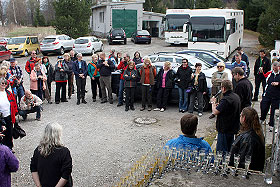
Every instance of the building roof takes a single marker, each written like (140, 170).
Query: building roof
(104, 4)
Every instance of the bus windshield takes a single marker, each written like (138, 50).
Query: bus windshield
(208, 29)
(175, 22)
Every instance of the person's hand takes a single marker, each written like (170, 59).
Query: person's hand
(204, 93)
(3, 128)
(133, 76)
(92, 78)
(126, 75)
(213, 100)
(81, 75)
(192, 75)
(261, 70)
(275, 83)
(61, 70)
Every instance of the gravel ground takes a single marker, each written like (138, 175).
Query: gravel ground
(103, 139)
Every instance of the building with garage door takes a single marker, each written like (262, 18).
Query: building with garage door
(128, 15)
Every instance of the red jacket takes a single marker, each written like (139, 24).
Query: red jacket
(123, 67)
(13, 103)
(29, 66)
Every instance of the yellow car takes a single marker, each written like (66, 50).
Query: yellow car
(23, 45)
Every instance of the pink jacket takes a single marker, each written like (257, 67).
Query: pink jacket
(33, 80)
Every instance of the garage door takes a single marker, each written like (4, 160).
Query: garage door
(126, 19)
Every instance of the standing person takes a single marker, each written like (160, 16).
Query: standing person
(250, 141)
(137, 58)
(199, 88)
(271, 95)
(165, 80)
(122, 66)
(30, 103)
(119, 57)
(147, 74)
(61, 77)
(112, 57)
(228, 113)
(262, 66)
(8, 164)
(49, 74)
(46, 93)
(130, 76)
(94, 75)
(244, 87)
(8, 108)
(105, 69)
(51, 164)
(189, 124)
(18, 76)
(37, 81)
(239, 63)
(244, 58)
(29, 66)
(73, 57)
(80, 71)
(184, 77)
(67, 60)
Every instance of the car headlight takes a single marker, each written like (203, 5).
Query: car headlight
(20, 47)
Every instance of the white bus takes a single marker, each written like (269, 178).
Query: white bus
(176, 31)
(217, 30)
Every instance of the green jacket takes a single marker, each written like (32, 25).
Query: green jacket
(92, 70)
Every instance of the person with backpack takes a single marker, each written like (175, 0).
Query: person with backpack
(94, 75)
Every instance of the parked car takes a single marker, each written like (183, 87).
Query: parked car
(116, 35)
(5, 54)
(174, 96)
(56, 44)
(23, 45)
(141, 36)
(87, 45)
(4, 41)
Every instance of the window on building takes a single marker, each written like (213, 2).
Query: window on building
(101, 17)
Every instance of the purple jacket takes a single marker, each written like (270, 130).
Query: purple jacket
(8, 163)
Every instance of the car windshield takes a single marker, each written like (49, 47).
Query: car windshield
(164, 59)
(48, 40)
(204, 63)
(208, 29)
(81, 41)
(175, 22)
(117, 32)
(145, 33)
(16, 40)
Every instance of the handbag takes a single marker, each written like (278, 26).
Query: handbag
(18, 131)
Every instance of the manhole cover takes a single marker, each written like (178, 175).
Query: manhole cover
(145, 120)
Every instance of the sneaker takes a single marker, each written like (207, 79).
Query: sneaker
(142, 108)
(78, 102)
(84, 101)
(69, 97)
(162, 109)
(199, 114)
(64, 101)
(111, 102)
(132, 108)
(38, 119)
(93, 100)
(126, 109)
(50, 102)
(183, 111)
(149, 108)
(105, 101)
(157, 109)
(180, 110)
(119, 104)
(57, 102)
(212, 116)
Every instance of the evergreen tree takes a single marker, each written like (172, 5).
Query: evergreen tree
(72, 17)
(39, 19)
(269, 24)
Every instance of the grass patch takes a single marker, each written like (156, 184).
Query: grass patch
(251, 32)
(211, 137)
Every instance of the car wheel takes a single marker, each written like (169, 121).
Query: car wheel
(44, 53)
(26, 53)
(101, 48)
(125, 41)
(61, 51)
(206, 105)
(37, 51)
(149, 42)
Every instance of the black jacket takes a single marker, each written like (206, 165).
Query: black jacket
(228, 120)
(105, 70)
(265, 64)
(244, 89)
(202, 84)
(130, 81)
(70, 64)
(78, 71)
(169, 79)
(272, 92)
(249, 143)
(50, 73)
(61, 75)
(183, 77)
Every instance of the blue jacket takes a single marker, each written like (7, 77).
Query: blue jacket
(184, 142)
(78, 71)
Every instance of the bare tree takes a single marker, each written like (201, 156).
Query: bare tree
(48, 10)
(16, 12)
(32, 5)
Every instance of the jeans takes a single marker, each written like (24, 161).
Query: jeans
(224, 142)
(183, 99)
(81, 88)
(129, 99)
(94, 84)
(36, 109)
(105, 82)
(121, 88)
(147, 94)
(199, 96)
(59, 86)
(162, 97)
(265, 104)
(20, 92)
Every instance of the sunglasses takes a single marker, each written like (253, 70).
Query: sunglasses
(220, 66)
(184, 62)
(4, 83)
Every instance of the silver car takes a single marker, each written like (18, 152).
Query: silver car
(56, 44)
(87, 45)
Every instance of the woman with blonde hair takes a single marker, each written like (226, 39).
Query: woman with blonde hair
(250, 141)
(51, 164)
(147, 79)
(165, 80)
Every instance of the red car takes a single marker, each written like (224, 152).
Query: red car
(5, 54)
(4, 41)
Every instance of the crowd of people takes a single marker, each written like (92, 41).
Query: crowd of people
(231, 102)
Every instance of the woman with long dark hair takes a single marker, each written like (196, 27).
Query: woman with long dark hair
(250, 140)
(51, 164)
